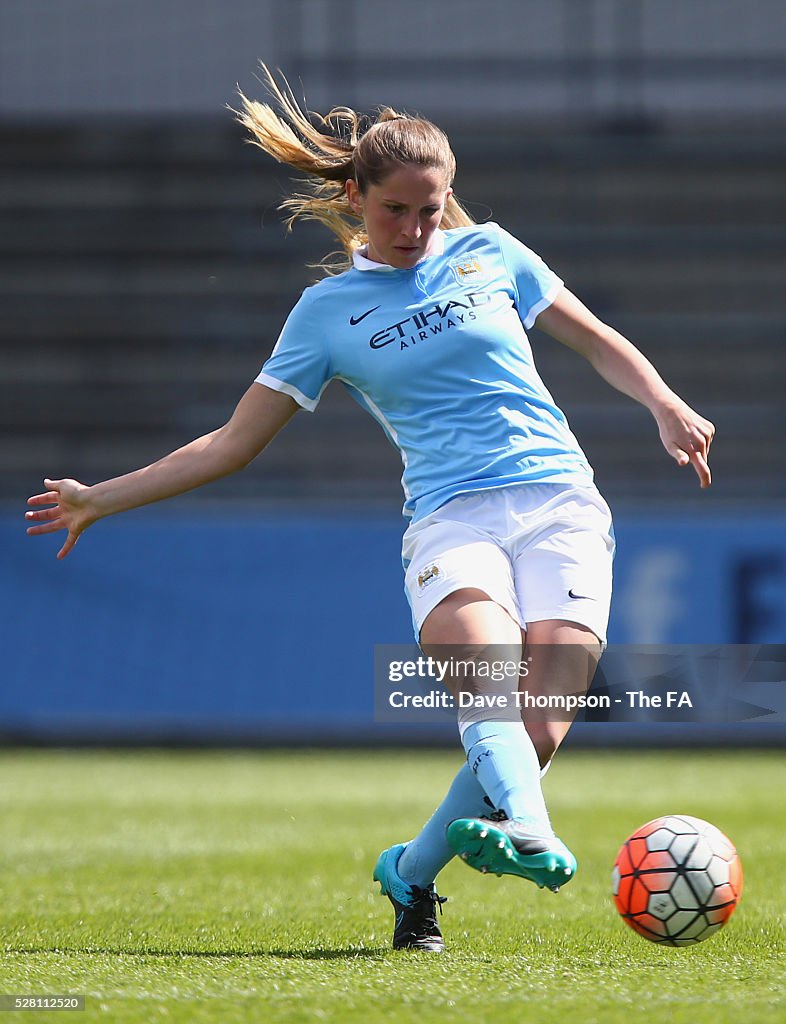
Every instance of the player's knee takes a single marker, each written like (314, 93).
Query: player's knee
(546, 738)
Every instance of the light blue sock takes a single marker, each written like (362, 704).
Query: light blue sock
(428, 853)
(503, 759)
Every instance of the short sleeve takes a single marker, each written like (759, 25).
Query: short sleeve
(536, 286)
(299, 365)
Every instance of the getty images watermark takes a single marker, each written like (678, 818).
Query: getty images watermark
(632, 683)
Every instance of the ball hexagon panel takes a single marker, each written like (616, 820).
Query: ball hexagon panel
(659, 881)
(683, 824)
(683, 923)
(700, 856)
(660, 839)
(637, 851)
(682, 846)
(683, 895)
(661, 906)
(718, 871)
(650, 926)
(702, 885)
(658, 860)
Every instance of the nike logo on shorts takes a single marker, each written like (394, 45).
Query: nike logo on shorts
(355, 320)
(579, 597)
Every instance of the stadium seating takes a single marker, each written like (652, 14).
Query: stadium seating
(145, 274)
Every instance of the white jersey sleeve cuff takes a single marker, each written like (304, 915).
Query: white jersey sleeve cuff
(544, 303)
(289, 389)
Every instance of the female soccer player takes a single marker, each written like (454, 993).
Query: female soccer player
(509, 543)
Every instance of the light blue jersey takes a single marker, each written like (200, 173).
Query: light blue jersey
(438, 355)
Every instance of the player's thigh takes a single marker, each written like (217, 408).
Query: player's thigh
(469, 618)
(468, 628)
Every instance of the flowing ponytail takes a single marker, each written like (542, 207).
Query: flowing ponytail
(341, 145)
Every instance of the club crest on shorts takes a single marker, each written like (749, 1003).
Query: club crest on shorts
(428, 574)
(468, 268)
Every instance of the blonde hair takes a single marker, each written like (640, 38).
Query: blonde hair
(339, 146)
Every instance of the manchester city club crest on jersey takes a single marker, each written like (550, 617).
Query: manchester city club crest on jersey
(468, 268)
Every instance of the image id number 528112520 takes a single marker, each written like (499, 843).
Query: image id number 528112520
(41, 1002)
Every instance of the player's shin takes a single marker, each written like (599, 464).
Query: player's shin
(429, 852)
(502, 757)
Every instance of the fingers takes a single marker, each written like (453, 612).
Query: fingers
(695, 453)
(71, 539)
(682, 457)
(700, 453)
(702, 468)
(56, 523)
(48, 498)
(706, 434)
(45, 520)
(43, 514)
(53, 527)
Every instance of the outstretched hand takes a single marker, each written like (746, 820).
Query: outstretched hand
(687, 437)
(70, 511)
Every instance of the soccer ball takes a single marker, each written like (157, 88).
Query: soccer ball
(677, 880)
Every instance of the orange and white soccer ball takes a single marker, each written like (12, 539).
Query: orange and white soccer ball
(677, 880)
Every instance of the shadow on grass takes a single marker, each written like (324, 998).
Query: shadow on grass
(327, 954)
(348, 953)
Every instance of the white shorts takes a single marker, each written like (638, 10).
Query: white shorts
(542, 551)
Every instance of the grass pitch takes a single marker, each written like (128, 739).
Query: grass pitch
(236, 887)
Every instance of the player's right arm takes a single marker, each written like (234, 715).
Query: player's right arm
(74, 506)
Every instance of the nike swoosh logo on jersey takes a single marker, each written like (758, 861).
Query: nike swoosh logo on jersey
(355, 320)
(579, 597)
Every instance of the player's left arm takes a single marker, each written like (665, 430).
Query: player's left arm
(685, 434)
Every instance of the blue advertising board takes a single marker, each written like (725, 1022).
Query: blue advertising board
(228, 626)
